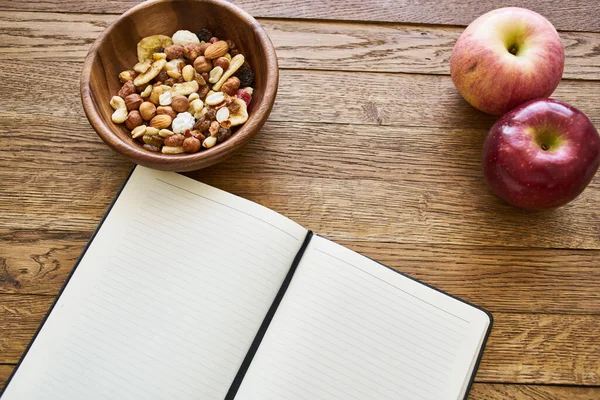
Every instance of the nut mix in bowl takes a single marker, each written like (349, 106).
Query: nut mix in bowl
(186, 93)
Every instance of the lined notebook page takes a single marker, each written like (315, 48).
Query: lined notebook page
(167, 299)
(349, 328)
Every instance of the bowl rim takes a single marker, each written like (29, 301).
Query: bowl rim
(168, 161)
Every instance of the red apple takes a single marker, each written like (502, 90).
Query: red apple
(541, 155)
(506, 57)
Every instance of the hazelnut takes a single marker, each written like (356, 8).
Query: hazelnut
(147, 110)
(231, 85)
(191, 51)
(174, 140)
(180, 103)
(128, 75)
(174, 51)
(203, 47)
(133, 119)
(221, 62)
(133, 101)
(127, 89)
(166, 110)
(160, 122)
(201, 64)
(191, 145)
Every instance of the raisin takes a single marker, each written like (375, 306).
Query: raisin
(246, 76)
(223, 135)
(204, 35)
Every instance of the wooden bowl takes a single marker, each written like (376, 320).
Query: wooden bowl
(115, 51)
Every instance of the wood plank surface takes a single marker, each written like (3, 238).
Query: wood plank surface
(317, 45)
(306, 96)
(479, 391)
(426, 187)
(523, 348)
(580, 15)
(498, 279)
(368, 144)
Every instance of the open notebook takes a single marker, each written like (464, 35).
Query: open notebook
(188, 292)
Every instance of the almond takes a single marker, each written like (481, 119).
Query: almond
(216, 50)
(161, 121)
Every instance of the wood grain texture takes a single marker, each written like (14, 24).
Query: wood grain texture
(404, 185)
(320, 45)
(576, 14)
(368, 144)
(499, 279)
(486, 391)
(523, 348)
(479, 391)
(383, 99)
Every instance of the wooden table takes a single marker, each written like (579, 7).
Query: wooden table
(368, 143)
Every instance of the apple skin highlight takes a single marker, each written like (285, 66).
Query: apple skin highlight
(541, 155)
(493, 79)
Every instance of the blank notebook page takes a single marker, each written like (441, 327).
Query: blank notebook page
(350, 328)
(167, 299)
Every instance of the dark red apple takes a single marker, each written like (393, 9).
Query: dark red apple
(541, 155)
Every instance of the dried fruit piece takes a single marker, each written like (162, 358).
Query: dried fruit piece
(147, 76)
(204, 35)
(142, 67)
(241, 115)
(223, 134)
(150, 45)
(242, 94)
(246, 76)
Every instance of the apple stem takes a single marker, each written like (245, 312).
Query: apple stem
(513, 50)
(544, 146)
